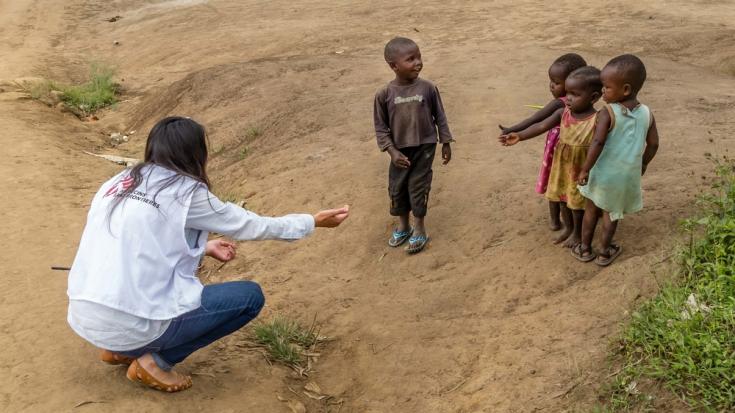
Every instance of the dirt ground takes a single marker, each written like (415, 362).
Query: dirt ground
(491, 318)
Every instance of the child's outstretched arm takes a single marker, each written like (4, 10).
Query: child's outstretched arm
(532, 131)
(602, 126)
(651, 145)
(537, 117)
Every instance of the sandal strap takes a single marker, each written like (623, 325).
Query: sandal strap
(610, 251)
(418, 238)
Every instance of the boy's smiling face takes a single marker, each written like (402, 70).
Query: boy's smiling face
(407, 63)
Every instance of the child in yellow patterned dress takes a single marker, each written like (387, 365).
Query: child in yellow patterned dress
(558, 73)
(577, 125)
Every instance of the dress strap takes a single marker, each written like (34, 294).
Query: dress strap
(611, 112)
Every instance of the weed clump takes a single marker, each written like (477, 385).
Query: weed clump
(285, 339)
(685, 336)
(247, 136)
(98, 92)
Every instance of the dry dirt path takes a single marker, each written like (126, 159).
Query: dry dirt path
(46, 182)
(490, 318)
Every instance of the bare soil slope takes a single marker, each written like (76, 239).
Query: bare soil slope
(492, 317)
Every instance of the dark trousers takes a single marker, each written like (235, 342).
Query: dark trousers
(409, 188)
(225, 309)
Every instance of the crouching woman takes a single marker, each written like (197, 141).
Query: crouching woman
(133, 289)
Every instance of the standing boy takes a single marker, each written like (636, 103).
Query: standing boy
(407, 113)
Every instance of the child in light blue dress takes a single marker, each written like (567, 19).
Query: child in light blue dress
(625, 141)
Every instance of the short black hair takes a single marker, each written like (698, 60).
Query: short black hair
(570, 62)
(631, 68)
(395, 45)
(590, 75)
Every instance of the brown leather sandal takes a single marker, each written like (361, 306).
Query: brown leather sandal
(140, 375)
(115, 359)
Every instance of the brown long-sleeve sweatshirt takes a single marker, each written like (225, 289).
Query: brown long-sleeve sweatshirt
(409, 115)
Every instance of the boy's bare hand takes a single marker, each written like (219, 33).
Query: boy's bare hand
(399, 159)
(446, 153)
(509, 139)
(503, 130)
(331, 218)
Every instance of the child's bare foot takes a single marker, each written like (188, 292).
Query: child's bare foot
(555, 225)
(113, 358)
(572, 241)
(563, 236)
(144, 370)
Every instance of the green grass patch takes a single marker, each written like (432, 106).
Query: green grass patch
(243, 152)
(285, 339)
(252, 132)
(228, 197)
(684, 338)
(41, 89)
(248, 135)
(98, 92)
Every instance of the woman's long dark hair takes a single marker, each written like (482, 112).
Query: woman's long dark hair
(177, 144)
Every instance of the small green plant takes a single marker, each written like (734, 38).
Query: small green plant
(228, 197)
(218, 149)
(685, 336)
(285, 339)
(97, 93)
(83, 99)
(243, 152)
(252, 132)
(40, 89)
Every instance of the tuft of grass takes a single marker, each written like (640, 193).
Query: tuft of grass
(684, 337)
(285, 339)
(252, 132)
(98, 92)
(228, 197)
(41, 89)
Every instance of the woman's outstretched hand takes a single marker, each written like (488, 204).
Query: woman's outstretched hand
(220, 249)
(331, 218)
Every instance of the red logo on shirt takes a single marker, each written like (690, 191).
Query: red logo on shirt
(121, 186)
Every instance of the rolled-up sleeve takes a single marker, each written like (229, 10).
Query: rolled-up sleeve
(208, 213)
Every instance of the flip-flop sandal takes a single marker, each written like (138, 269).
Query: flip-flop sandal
(416, 244)
(115, 359)
(399, 237)
(603, 261)
(580, 255)
(138, 374)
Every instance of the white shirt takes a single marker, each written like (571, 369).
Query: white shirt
(117, 329)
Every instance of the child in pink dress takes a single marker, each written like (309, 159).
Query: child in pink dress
(558, 72)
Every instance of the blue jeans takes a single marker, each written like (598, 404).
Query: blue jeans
(225, 309)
